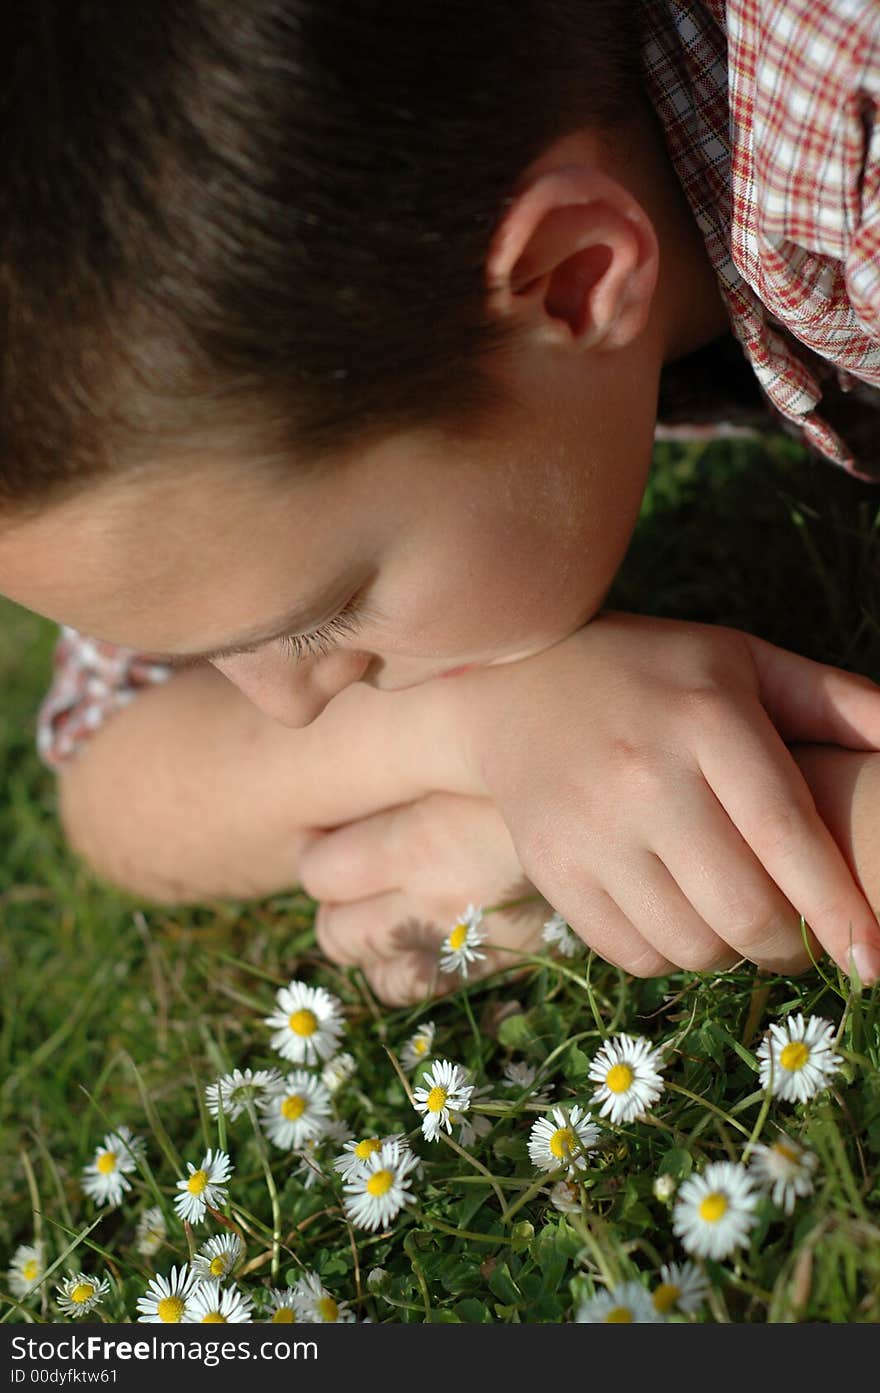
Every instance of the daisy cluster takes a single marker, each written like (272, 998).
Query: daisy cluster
(375, 1175)
(202, 1293)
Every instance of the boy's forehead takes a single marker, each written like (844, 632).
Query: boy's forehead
(124, 548)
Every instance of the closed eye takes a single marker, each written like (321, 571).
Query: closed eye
(321, 641)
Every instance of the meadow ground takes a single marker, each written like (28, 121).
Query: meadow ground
(118, 1013)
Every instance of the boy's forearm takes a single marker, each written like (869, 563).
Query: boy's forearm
(192, 793)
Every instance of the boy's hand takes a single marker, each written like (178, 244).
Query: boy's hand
(392, 885)
(641, 768)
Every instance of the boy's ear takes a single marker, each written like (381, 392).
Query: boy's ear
(575, 259)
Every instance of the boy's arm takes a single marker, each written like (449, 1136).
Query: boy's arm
(190, 792)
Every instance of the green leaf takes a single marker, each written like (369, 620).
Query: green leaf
(676, 1162)
(516, 1032)
(502, 1285)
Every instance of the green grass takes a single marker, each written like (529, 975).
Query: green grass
(115, 1011)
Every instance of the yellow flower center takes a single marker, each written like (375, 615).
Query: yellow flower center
(197, 1183)
(366, 1147)
(31, 1270)
(436, 1099)
(619, 1078)
(562, 1143)
(293, 1107)
(218, 1266)
(106, 1163)
(380, 1183)
(795, 1055)
(82, 1292)
(420, 1044)
(457, 937)
(284, 1316)
(214, 1318)
(787, 1153)
(665, 1297)
(621, 1315)
(328, 1309)
(713, 1207)
(303, 1022)
(170, 1309)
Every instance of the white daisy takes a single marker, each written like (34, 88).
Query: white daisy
(378, 1192)
(151, 1232)
(566, 1197)
(337, 1071)
(217, 1258)
(234, 1091)
(418, 1046)
(683, 1286)
(104, 1179)
(298, 1108)
(280, 1306)
(715, 1211)
(785, 1170)
(521, 1075)
(626, 1304)
(459, 947)
(627, 1070)
(446, 1090)
(797, 1059)
(79, 1294)
(308, 1023)
(355, 1155)
(562, 1140)
(311, 1165)
(213, 1304)
(26, 1269)
(203, 1186)
(167, 1299)
(314, 1302)
(475, 1124)
(469, 1128)
(559, 936)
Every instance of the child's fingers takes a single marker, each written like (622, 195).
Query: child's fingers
(352, 862)
(443, 845)
(763, 792)
(815, 702)
(396, 943)
(656, 903)
(725, 885)
(597, 918)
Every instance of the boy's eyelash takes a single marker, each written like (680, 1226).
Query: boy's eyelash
(320, 641)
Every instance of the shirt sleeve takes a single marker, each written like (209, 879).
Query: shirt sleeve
(863, 262)
(91, 680)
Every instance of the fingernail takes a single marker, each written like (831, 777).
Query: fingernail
(866, 960)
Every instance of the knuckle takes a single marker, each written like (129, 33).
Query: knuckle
(779, 829)
(646, 962)
(762, 932)
(636, 768)
(705, 705)
(424, 836)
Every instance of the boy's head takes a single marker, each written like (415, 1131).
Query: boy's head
(302, 300)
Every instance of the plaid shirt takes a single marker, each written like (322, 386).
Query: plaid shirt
(769, 108)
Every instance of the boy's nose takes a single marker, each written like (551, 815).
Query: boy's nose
(293, 694)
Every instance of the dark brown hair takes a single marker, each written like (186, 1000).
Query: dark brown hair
(266, 223)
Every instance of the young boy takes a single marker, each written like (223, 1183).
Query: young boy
(334, 342)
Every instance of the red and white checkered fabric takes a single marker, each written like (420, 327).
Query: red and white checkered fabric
(770, 109)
